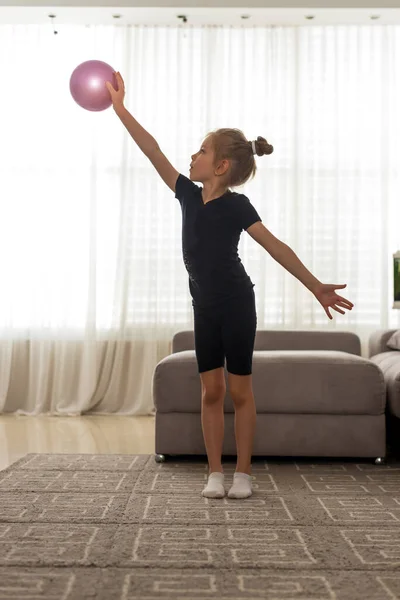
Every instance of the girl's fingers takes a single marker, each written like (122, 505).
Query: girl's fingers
(346, 302)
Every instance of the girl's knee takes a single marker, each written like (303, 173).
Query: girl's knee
(213, 385)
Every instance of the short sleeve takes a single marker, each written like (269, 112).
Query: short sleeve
(246, 214)
(185, 188)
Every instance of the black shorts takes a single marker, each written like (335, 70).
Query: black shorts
(226, 331)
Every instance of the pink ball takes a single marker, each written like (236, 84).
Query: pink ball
(88, 85)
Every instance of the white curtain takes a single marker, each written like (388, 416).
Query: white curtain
(93, 284)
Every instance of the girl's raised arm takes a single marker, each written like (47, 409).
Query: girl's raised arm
(143, 139)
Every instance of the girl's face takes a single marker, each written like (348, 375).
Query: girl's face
(201, 167)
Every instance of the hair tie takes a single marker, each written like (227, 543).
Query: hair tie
(253, 145)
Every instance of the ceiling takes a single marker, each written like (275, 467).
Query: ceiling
(202, 12)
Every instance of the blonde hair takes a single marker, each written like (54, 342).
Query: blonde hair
(232, 144)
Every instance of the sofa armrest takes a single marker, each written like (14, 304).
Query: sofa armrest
(389, 363)
(378, 340)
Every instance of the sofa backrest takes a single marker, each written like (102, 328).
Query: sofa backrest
(272, 339)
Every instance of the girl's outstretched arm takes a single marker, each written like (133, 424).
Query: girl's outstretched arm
(143, 139)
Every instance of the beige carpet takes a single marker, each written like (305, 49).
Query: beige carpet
(125, 527)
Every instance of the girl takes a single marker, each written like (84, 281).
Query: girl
(222, 293)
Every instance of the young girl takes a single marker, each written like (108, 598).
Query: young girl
(223, 299)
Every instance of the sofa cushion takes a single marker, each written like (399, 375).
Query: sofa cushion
(284, 381)
(394, 341)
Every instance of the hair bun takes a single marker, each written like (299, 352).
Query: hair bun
(263, 147)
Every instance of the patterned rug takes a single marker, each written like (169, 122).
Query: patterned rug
(125, 527)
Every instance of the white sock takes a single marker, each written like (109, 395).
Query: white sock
(215, 486)
(241, 487)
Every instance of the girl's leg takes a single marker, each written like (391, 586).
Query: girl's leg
(239, 331)
(212, 416)
(211, 360)
(240, 388)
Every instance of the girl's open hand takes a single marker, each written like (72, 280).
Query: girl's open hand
(327, 297)
(117, 96)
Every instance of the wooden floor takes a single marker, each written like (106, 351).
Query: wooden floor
(21, 435)
(80, 435)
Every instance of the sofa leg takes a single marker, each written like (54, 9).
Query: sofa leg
(380, 460)
(159, 458)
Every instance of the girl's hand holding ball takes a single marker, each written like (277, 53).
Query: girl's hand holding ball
(117, 96)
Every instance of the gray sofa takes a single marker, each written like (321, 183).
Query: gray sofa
(315, 396)
(388, 361)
